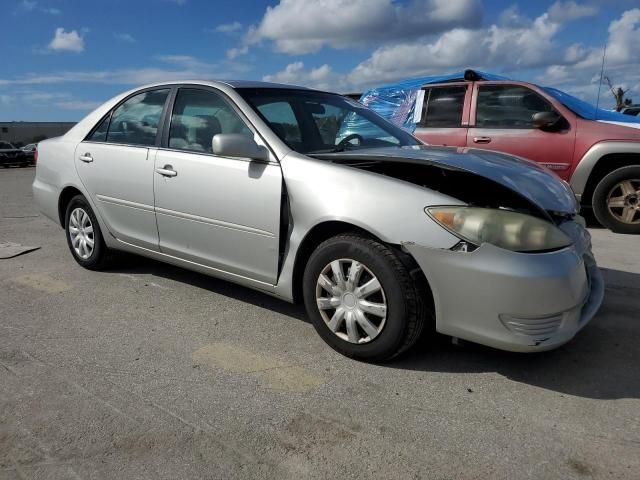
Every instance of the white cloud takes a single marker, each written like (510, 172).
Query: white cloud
(228, 27)
(422, 37)
(418, 58)
(511, 17)
(177, 67)
(84, 105)
(563, 11)
(623, 46)
(28, 5)
(186, 62)
(300, 26)
(623, 50)
(42, 97)
(31, 6)
(46, 100)
(322, 78)
(520, 43)
(580, 73)
(70, 41)
(124, 37)
(236, 52)
(513, 45)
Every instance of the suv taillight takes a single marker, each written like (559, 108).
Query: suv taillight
(35, 156)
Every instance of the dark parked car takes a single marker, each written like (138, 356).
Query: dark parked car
(30, 152)
(633, 110)
(12, 156)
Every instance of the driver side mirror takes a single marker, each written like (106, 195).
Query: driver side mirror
(239, 146)
(546, 120)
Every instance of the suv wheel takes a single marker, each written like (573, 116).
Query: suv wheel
(84, 236)
(361, 298)
(616, 200)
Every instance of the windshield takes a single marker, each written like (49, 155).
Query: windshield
(317, 122)
(6, 146)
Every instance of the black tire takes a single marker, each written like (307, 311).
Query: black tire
(101, 257)
(406, 312)
(607, 187)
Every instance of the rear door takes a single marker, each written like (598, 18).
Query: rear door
(217, 211)
(502, 120)
(444, 115)
(115, 164)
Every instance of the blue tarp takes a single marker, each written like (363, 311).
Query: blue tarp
(586, 110)
(397, 101)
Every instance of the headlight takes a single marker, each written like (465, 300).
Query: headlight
(502, 228)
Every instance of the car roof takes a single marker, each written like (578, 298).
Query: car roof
(257, 84)
(229, 83)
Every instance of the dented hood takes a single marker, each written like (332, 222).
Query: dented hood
(534, 182)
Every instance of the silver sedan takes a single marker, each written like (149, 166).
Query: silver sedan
(311, 197)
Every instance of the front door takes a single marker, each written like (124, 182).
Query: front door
(217, 211)
(115, 164)
(503, 122)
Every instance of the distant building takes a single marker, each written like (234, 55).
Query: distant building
(23, 133)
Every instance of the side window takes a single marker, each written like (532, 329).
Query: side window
(100, 133)
(197, 116)
(136, 121)
(508, 106)
(442, 107)
(282, 121)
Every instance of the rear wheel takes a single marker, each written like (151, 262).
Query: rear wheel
(362, 299)
(84, 236)
(616, 200)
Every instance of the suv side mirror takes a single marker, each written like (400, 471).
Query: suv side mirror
(238, 145)
(546, 120)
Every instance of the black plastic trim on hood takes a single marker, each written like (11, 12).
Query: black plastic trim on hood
(469, 187)
(538, 184)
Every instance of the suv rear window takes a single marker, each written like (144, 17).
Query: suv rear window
(442, 107)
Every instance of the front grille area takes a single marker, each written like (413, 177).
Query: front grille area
(533, 326)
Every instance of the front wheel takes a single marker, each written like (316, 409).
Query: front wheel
(362, 299)
(616, 200)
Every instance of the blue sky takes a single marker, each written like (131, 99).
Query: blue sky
(61, 58)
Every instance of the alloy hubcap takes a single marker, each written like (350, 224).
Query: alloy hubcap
(81, 233)
(351, 301)
(623, 201)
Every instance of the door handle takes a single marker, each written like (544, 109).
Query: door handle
(86, 158)
(482, 139)
(167, 171)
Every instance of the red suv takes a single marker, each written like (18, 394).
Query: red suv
(600, 159)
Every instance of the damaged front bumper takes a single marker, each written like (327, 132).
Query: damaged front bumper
(521, 302)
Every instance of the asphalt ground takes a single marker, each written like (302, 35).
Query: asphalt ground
(151, 371)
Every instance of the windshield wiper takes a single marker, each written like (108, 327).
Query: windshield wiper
(336, 149)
